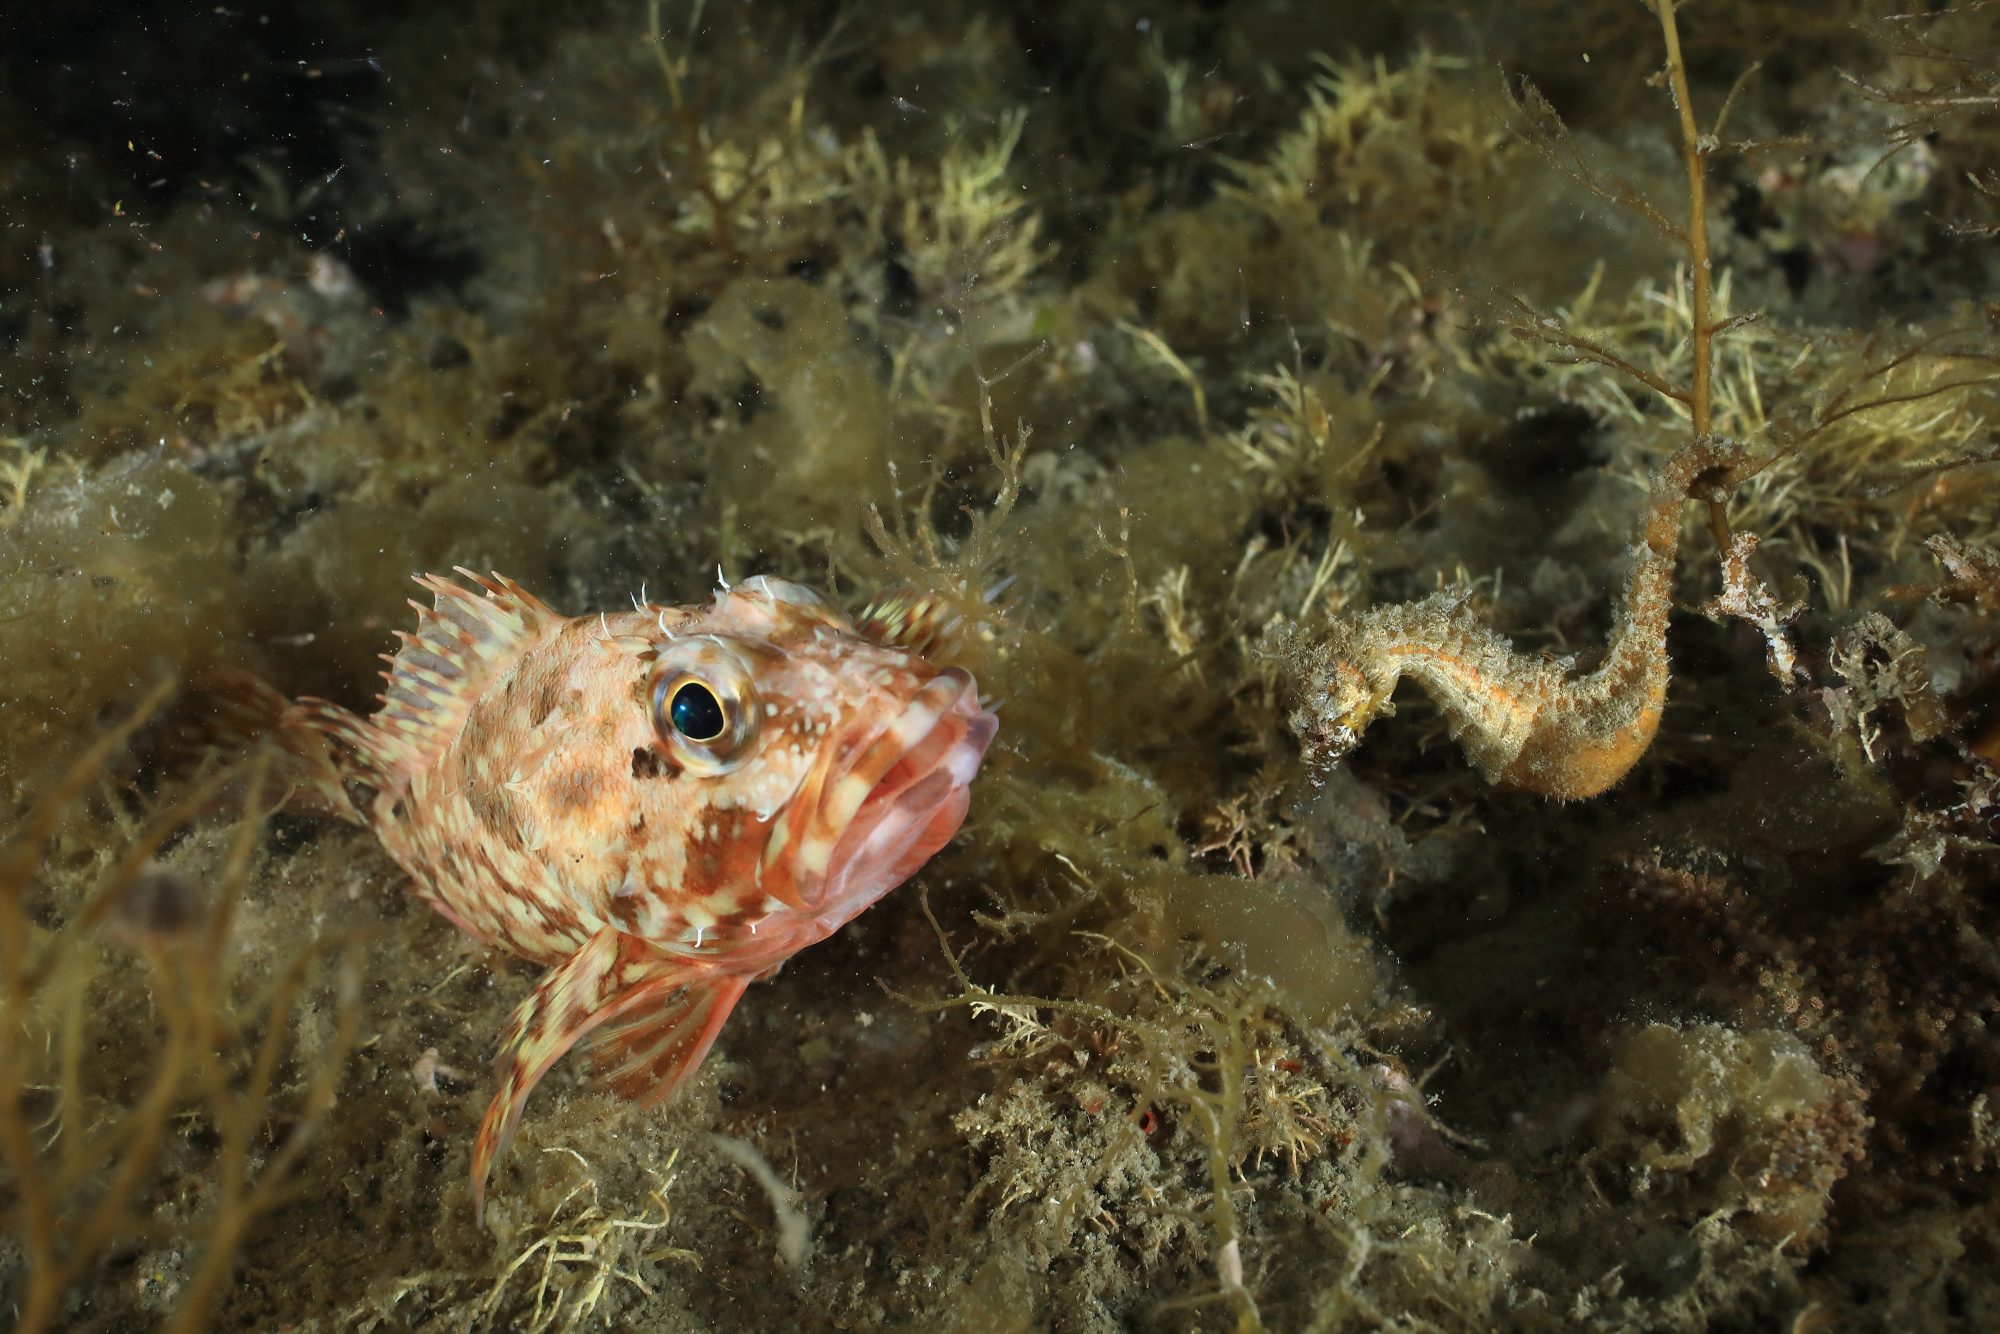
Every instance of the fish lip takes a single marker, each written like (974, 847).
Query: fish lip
(880, 816)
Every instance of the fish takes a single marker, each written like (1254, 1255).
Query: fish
(660, 805)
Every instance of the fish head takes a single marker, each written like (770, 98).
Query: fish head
(833, 765)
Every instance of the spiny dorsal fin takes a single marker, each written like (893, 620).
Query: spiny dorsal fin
(922, 622)
(913, 621)
(461, 641)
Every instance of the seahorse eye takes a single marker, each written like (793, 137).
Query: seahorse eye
(697, 714)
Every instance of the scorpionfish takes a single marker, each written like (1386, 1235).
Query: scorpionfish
(661, 805)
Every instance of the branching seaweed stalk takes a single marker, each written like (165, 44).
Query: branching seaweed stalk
(74, 1194)
(1694, 149)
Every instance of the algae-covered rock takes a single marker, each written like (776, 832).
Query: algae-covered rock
(780, 356)
(1706, 1120)
(1287, 933)
(110, 580)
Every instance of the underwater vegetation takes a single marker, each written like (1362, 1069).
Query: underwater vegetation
(166, 1108)
(1482, 518)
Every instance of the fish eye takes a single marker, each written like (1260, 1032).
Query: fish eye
(704, 706)
(696, 712)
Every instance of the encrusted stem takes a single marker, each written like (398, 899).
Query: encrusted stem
(1695, 154)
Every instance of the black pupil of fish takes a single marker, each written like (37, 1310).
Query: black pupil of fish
(696, 712)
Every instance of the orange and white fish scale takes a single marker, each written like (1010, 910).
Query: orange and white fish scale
(662, 804)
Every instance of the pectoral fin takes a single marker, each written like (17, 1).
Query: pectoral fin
(650, 1053)
(664, 1011)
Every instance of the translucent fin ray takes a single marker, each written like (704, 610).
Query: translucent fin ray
(910, 620)
(648, 1054)
(615, 979)
(461, 641)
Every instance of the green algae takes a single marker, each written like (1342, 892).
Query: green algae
(1188, 327)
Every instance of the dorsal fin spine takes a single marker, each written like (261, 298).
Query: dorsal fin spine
(436, 673)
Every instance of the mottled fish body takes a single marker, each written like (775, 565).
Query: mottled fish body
(661, 804)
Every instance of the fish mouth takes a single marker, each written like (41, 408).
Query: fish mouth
(900, 799)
